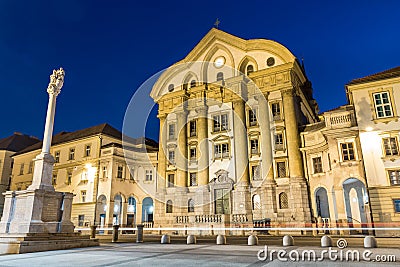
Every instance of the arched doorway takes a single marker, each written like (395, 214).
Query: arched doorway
(321, 202)
(355, 196)
(131, 212)
(117, 209)
(101, 211)
(147, 209)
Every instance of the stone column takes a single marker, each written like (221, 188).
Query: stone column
(181, 152)
(202, 130)
(268, 192)
(203, 196)
(298, 201)
(240, 139)
(241, 194)
(292, 134)
(161, 155)
(266, 142)
(42, 174)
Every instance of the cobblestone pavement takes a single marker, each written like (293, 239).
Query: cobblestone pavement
(152, 254)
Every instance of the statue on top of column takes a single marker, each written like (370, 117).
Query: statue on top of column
(56, 81)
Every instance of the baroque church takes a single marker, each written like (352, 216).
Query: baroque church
(230, 117)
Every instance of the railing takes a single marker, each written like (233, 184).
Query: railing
(148, 224)
(239, 218)
(340, 120)
(213, 218)
(182, 219)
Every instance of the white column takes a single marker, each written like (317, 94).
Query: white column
(42, 175)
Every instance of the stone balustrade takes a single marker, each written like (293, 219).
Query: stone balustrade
(340, 120)
(239, 218)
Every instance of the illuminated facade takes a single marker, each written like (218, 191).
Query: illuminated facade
(91, 164)
(376, 100)
(229, 155)
(335, 171)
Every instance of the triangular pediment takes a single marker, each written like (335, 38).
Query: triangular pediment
(220, 52)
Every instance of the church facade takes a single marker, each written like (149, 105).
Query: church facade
(229, 147)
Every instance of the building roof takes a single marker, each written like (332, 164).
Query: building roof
(17, 142)
(64, 137)
(387, 74)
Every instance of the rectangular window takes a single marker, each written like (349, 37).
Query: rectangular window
(87, 150)
(193, 179)
(281, 169)
(383, 107)
(171, 156)
(394, 176)
(104, 171)
(54, 179)
(81, 220)
(276, 111)
(120, 171)
(171, 131)
(391, 146)
(69, 177)
(57, 157)
(396, 203)
(171, 180)
(83, 195)
(21, 169)
(193, 128)
(347, 151)
(149, 175)
(131, 172)
(220, 122)
(254, 146)
(192, 152)
(30, 170)
(255, 172)
(221, 151)
(317, 164)
(252, 117)
(279, 141)
(71, 155)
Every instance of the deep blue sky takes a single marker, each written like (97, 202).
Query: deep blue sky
(108, 48)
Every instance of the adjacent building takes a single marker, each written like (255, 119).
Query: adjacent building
(8, 147)
(376, 101)
(334, 168)
(91, 163)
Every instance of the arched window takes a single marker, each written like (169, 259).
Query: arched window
(256, 202)
(131, 204)
(220, 76)
(192, 83)
(168, 207)
(171, 87)
(283, 201)
(190, 205)
(249, 69)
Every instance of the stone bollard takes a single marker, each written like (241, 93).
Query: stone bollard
(93, 231)
(221, 240)
(326, 241)
(370, 242)
(139, 235)
(252, 240)
(165, 239)
(115, 233)
(287, 241)
(191, 239)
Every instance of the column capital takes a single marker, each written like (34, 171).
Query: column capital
(288, 92)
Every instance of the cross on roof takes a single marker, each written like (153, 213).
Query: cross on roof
(217, 22)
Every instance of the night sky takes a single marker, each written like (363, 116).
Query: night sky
(109, 48)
